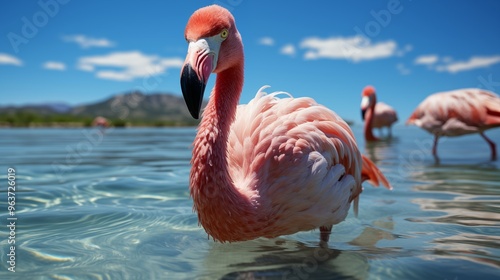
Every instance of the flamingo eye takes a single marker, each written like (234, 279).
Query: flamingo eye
(224, 34)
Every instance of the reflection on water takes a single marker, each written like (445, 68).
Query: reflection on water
(380, 230)
(475, 191)
(382, 151)
(470, 247)
(465, 200)
(117, 206)
(282, 259)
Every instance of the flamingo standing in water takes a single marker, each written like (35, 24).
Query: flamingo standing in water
(275, 166)
(458, 112)
(101, 122)
(375, 114)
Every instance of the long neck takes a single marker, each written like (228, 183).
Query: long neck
(368, 130)
(219, 115)
(211, 186)
(221, 108)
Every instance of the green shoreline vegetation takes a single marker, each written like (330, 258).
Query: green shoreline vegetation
(30, 119)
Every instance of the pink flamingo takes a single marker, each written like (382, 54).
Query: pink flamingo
(375, 114)
(458, 112)
(275, 166)
(100, 122)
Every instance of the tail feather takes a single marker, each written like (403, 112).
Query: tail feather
(372, 174)
(492, 117)
(413, 117)
(491, 102)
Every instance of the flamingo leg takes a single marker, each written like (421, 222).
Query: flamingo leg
(390, 131)
(492, 146)
(434, 148)
(325, 232)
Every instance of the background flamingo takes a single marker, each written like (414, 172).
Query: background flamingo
(100, 122)
(272, 167)
(375, 114)
(458, 112)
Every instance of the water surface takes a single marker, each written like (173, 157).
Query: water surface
(116, 206)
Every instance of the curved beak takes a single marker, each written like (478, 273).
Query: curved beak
(195, 73)
(365, 102)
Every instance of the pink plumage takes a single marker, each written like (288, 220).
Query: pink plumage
(272, 167)
(458, 112)
(100, 122)
(385, 116)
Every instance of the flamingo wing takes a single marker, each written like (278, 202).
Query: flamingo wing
(298, 155)
(384, 115)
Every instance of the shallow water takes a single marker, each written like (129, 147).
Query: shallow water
(116, 206)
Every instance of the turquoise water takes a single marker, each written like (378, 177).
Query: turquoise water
(116, 206)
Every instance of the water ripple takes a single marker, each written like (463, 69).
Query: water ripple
(122, 211)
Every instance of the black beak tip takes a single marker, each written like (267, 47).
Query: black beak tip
(192, 90)
(363, 114)
(195, 115)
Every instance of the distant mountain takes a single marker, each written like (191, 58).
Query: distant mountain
(134, 108)
(59, 107)
(137, 106)
(43, 108)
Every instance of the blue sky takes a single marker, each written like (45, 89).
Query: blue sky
(84, 51)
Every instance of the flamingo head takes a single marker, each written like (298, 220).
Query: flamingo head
(368, 100)
(214, 45)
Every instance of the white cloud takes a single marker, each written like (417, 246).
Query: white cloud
(9, 59)
(266, 41)
(87, 42)
(171, 62)
(86, 67)
(288, 49)
(127, 66)
(356, 48)
(54, 65)
(426, 59)
(402, 69)
(447, 64)
(473, 63)
(114, 75)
